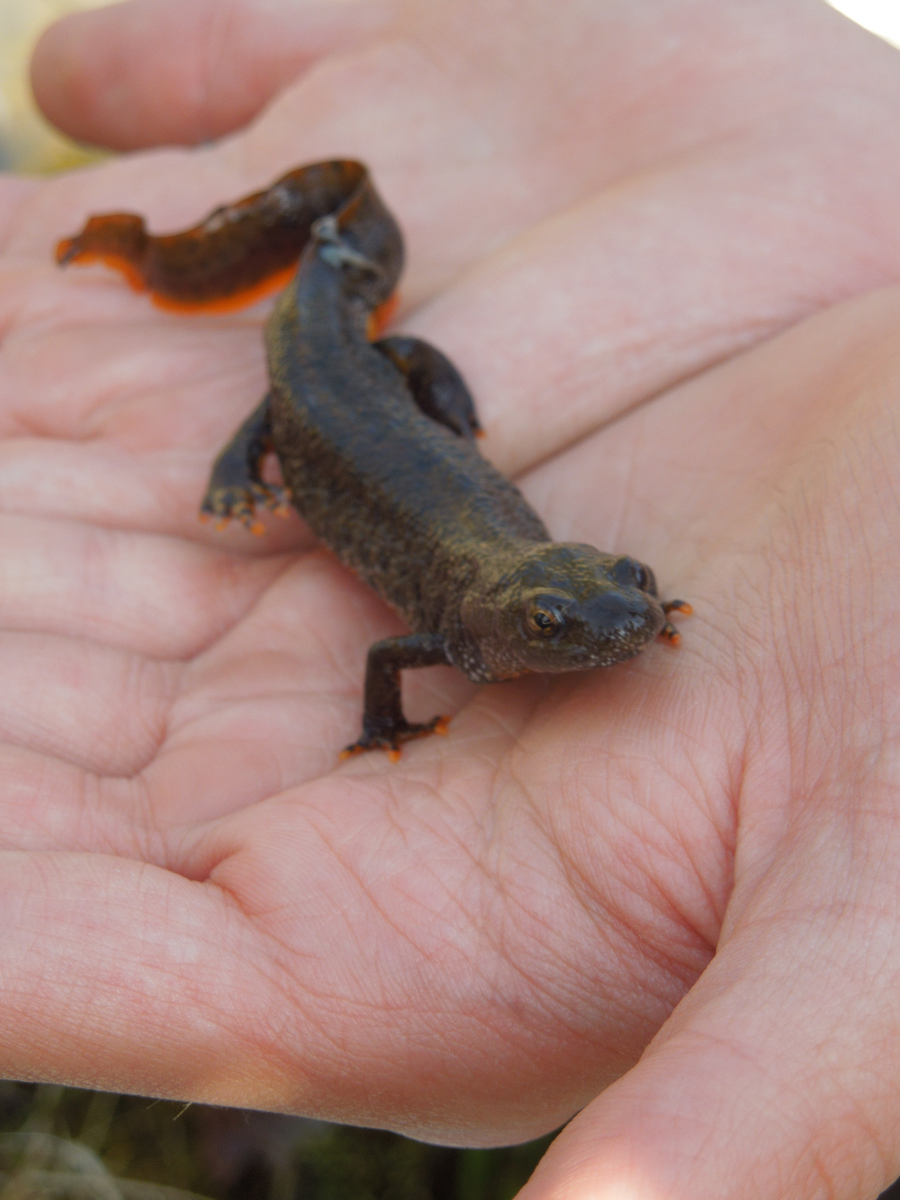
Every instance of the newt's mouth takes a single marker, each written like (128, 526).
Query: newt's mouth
(617, 625)
(630, 615)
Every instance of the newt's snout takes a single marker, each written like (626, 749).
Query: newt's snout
(607, 627)
(624, 618)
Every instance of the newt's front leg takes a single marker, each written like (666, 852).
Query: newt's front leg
(236, 488)
(384, 725)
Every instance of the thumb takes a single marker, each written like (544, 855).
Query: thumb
(153, 72)
(775, 1077)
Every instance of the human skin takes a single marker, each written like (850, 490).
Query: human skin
(660, 241)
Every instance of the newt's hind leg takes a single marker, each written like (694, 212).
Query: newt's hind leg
(437, 387)
(384, 725)
(236, 488)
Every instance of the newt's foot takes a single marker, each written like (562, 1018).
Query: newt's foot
(391, 741)
(242, 502)
(668, 632)
(335, 249)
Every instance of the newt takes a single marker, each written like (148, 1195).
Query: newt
(376, 443)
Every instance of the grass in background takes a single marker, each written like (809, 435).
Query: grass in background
(28, 144)
(61, 1143)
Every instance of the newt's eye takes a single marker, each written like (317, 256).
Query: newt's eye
(630, 573)
(543, 621)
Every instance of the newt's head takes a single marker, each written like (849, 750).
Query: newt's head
(564, 607)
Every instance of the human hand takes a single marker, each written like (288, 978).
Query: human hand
(469, 945)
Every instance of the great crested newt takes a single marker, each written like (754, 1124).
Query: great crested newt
(376, 445)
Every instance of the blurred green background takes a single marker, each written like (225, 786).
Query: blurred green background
(61, 1143)
(27, 142)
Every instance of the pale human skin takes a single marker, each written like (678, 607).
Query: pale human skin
(681, 214)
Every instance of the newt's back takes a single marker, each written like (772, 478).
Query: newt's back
(407, 503)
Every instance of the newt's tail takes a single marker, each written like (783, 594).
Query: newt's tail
(233, 258)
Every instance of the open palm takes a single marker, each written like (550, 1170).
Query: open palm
(470, 944)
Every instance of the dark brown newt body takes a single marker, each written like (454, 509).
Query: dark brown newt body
(375, 442)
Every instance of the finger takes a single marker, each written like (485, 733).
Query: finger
(14, 194)
(157, 72)
(150, 983)
(649, 283)
(97, 742)
(776, 1076)
(118, 425)
(97, 708)
(684, 475)
(145, 594)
